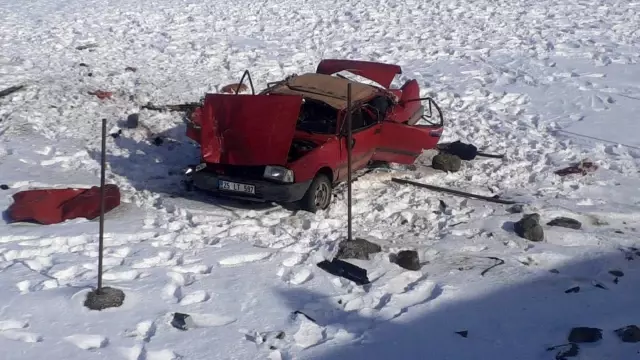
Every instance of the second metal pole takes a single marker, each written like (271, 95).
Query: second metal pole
(102, 191)
(349, 145)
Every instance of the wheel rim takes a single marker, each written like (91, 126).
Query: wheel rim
(322, 196)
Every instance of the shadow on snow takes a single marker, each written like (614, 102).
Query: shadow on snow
(157, 168)
(514, 322)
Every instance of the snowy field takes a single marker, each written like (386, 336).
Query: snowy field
(548, 83)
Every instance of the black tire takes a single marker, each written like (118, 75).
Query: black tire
(318, 196)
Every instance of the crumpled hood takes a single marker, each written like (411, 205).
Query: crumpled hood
(248, 129)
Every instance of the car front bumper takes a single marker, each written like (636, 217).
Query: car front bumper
(265, 191)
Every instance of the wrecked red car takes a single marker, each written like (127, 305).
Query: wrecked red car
(288, 143)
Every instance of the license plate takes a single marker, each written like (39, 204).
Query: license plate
(232, 186)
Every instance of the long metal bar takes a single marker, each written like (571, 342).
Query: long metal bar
(349, 143)
(453, 191)
(102, 191)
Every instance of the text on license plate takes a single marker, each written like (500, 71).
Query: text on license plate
(232, 186)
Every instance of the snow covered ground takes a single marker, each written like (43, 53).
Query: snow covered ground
(548, 83)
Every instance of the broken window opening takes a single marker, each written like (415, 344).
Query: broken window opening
(371, 113)
(317, 117)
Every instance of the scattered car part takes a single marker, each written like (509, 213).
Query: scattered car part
(346, 270)
(11, 90)
(453, 191)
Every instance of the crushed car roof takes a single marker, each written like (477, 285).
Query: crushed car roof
(329, 89)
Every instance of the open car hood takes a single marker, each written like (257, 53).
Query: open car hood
(248, 129)
(381, 73)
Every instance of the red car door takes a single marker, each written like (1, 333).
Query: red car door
(402, 143)
(366, 132)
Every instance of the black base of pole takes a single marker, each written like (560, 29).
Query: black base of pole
(104, 298)
(357, 248)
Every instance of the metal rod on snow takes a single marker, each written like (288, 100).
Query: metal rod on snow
(349, 140)
(102, 191)
(452, 191)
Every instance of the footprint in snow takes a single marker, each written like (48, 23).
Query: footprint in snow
(144, 331)
(194, 297)
(297, 277)
(139, 352)
(23, 336)
(172, 292)
(128, 275)
(293, 260)
(87, 341)
(164, 258)
(197, 320)
(164, 354)
(211, 319)
(245, 258)
(192, 269)
(181, 279)
(13, 324)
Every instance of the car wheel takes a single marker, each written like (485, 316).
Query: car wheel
(318, 196)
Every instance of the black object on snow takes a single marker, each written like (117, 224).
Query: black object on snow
(574, 289)
(305, 315)
(566, 351)
(116, 134)
(133, 120)
(182, 321)
(616, 273)
(10, 90)
(515, 209)
(566, 222)
(4, 187)
(585, 335)
(346, 270)
(460, 149)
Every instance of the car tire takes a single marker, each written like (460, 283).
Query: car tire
(319, 194)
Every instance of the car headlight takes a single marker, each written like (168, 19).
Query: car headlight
(278, 173)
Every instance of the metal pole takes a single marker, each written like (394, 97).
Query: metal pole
(102, 190)
(349, 142)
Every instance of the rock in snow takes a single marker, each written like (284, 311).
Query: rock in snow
(529, 227)
(446, 162)
(407, 259)
(585, 335)
(629, 334)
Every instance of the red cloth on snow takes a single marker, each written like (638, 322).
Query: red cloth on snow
(52, 206)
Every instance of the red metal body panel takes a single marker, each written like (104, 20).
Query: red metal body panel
(366, 141)
(381, 73)
(326, 155)
(401, 143)
(248, 130)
